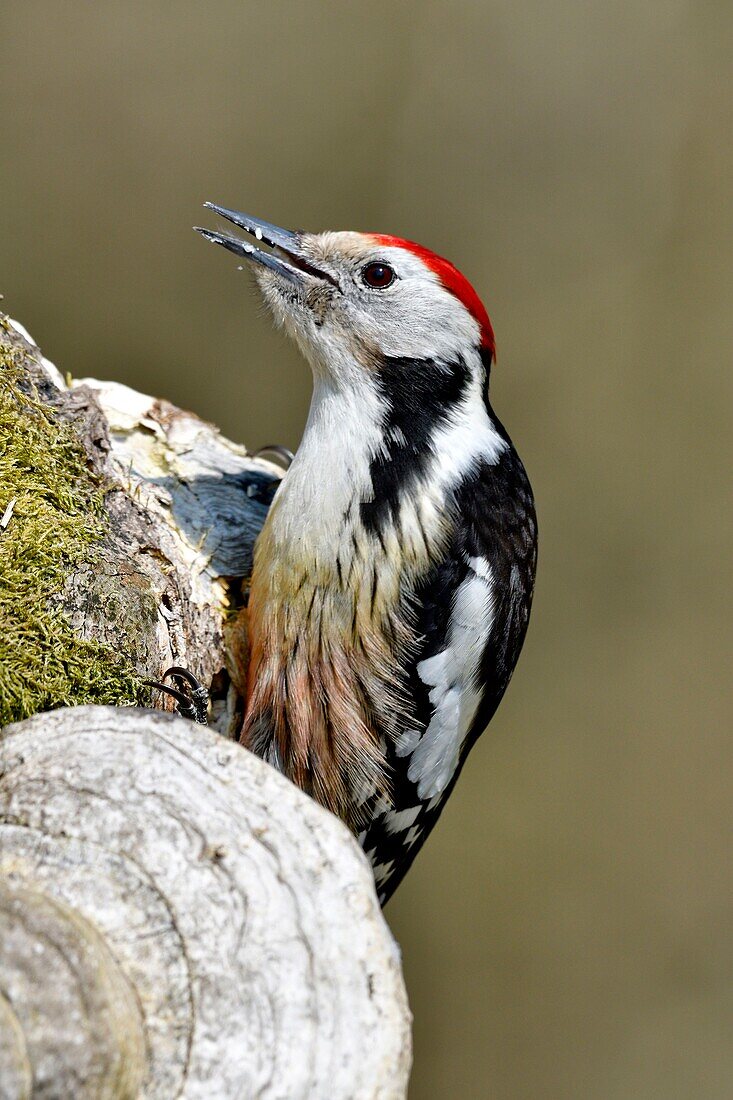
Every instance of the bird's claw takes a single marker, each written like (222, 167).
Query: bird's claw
(192, 698)
(283, 453)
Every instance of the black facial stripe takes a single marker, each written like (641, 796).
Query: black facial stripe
(419, 395)
(487, 358)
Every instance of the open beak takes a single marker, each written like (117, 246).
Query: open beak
(287, 260)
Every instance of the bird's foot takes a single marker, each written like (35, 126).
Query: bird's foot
(192, 698)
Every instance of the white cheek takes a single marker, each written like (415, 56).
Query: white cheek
(416, 317)
(419, 319)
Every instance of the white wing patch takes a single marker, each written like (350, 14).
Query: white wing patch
(406, 742)
(396, 821)
(451, 676)
(381, 871)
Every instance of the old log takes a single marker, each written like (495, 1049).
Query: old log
(176, 918)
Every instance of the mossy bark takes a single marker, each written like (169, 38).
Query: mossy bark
(129, 527)
(53, 492)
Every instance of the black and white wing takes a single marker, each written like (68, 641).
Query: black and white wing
(472, 615)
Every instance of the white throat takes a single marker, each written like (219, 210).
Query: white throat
(330, 471)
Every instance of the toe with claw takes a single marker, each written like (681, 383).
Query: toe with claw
(192, 698)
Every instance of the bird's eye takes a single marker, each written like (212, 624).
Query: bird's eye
(378, 275)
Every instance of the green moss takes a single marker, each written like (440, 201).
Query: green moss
(57, 522)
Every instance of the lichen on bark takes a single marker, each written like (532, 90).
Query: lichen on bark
(57, 523)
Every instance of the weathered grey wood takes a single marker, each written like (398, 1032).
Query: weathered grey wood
(216, 917)
(76, 1027)
(15, 1071)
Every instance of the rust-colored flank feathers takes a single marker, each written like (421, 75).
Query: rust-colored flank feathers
(324, 675)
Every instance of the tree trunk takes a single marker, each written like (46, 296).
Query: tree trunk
(176, 918)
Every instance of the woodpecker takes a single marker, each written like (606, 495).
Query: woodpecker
(393, 577)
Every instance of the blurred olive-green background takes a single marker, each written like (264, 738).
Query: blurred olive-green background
(567, 931)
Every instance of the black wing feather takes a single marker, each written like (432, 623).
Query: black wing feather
(495, 520)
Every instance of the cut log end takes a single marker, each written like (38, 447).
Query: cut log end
(176, 918)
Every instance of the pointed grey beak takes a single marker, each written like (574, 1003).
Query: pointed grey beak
(288, 261)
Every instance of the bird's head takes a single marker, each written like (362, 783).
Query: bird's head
(354, 300)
